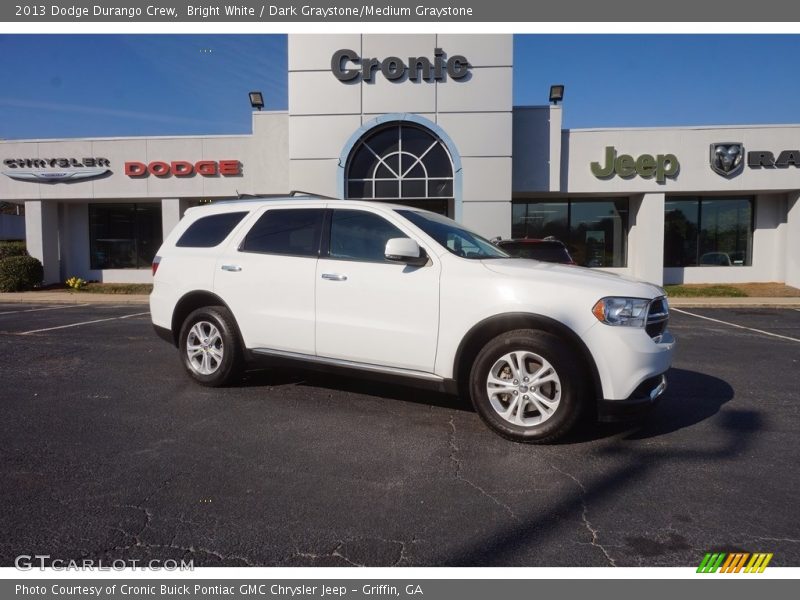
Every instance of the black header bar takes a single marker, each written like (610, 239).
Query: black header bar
(358, 11)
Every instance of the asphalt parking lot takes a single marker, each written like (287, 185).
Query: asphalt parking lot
(109, 451)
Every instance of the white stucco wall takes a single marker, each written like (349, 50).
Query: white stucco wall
(646, 237)
(791, 261)
(42, 236)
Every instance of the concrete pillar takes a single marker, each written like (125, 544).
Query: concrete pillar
(792, 256)
(41, 236)
(172, 210)
(646, 239)
(555, 148)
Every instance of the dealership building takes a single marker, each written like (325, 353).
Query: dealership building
(428, 120)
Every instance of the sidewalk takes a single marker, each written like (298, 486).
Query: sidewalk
(776, 302)
(63, 297)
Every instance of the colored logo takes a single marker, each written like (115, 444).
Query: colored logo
(727, 158)
(734, 562)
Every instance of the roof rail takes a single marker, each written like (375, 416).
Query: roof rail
(256, 198)
(303, 193)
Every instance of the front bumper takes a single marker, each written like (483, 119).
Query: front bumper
(644, 398)
(626, 357)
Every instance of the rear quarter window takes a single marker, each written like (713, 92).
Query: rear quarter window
(209, 231)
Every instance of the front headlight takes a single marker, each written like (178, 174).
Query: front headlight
(631, 312)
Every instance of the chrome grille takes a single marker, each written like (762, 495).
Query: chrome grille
(657, 318)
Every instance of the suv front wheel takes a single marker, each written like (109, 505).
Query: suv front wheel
(210, 348)
(527, 386)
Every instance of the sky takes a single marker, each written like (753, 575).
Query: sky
(54, 86)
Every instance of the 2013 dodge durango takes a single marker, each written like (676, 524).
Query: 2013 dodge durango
(398, 292)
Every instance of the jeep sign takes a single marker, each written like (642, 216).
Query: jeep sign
(347, 65)
(646, 166)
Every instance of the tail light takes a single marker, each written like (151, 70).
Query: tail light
(156, 262)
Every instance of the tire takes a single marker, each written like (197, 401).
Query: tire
(550, 409)
(210, 348)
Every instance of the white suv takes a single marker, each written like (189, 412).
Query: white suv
(398, 292)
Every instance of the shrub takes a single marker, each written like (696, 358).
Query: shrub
(18, 273)
(76, 283)
(9, 249)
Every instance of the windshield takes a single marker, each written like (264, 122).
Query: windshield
(548, 252)
(452, 236)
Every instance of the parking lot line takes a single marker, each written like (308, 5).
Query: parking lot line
(25, 310)
(777, 335)
(83, 323)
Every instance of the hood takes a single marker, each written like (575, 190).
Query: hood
(605, 284)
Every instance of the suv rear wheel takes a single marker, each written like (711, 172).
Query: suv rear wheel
(527, 386)
(210, 349)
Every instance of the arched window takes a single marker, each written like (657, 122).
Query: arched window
(401, 162)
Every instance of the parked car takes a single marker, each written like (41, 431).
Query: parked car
(716, 259)
(548, 249)
(401, 293)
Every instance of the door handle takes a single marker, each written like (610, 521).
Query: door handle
(233, 268)
(334, 277)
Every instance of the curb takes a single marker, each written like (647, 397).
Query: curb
(734, 306)
(787, 303)
(71, 298)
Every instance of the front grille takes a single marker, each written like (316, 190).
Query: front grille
(657, 317)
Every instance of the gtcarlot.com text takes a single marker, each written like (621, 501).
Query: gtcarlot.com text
(28, 562)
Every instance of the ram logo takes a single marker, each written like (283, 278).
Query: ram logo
(727, 158)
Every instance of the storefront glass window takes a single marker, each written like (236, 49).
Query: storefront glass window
(124, 236)
(708, 232)
(540, 219)
(595, 231)
(680, 232)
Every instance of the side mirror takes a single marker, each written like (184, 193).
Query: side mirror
(405, 250)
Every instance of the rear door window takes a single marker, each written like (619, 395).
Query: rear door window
(289, 232)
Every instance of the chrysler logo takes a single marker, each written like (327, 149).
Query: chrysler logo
(727, 158)
(56, 176)
(56, 170)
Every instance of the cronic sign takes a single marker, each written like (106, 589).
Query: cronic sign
(347, 65)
